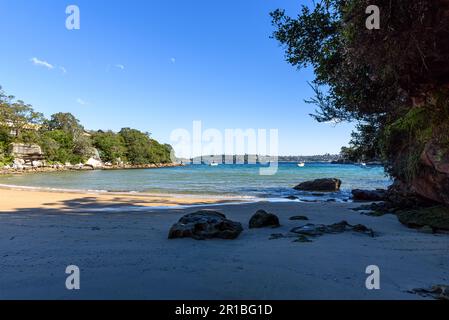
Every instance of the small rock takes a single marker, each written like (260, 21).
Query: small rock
(440, 292)
(303, 239)
(303, 218)
(263, 219)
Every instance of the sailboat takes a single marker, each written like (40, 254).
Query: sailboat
(301, 164)
(213, 164)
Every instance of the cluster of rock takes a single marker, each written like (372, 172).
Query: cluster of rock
(411, 209)
(305, 232)
(209, 224)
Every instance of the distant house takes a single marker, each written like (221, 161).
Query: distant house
(14, 130)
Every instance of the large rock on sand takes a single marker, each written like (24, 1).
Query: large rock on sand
(205, 224)
(263, 219)
(436, 218)
(328, 184)
(369, 195)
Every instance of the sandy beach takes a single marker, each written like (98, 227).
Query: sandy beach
(123, 252)
(26, 198)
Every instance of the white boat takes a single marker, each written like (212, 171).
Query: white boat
(363, 164)
(301, 164)
(213, 164)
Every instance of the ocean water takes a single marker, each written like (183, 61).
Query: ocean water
(223, 180)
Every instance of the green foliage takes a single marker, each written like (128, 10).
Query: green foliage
(110, 145)
(138, 146)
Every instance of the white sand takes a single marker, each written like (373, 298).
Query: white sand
(130, 256)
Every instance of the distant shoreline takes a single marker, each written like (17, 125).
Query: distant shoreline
(74, 168)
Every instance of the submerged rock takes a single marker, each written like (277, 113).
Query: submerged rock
(328, 185)
(263, 219)
(205, 224)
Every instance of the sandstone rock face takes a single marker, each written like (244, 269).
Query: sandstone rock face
(28, 152)
(328, 185)
(205, 224)
(432, 182)
(263, 219)
(369, 195)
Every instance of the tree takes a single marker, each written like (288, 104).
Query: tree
(70, 125)
(110, 145)
(19, 118)
(138, 146)
(375, 77)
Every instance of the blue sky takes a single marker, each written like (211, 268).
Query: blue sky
(159, 65)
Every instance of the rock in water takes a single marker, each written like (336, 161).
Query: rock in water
(205, 224)
(369, 195)
(263, 219)
(328, 184)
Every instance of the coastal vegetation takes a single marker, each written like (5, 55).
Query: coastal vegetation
(63, 138)
(392, 81)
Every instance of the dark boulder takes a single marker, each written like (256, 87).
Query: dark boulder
(205, 224)
(369, 195)
(263, 219)
(328, 185)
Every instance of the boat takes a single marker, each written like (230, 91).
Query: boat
(301, 164)
(213, 164)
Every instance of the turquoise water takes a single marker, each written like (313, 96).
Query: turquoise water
(224, 180)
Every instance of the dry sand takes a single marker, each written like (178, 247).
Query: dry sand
(122, 249)
(22, 198)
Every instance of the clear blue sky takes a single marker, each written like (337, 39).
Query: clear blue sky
(158, 65)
